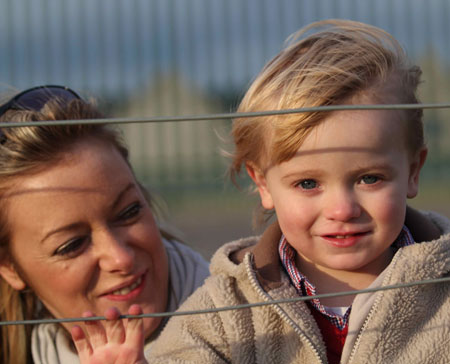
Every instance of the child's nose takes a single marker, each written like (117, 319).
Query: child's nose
(342, 205)
(114, 253)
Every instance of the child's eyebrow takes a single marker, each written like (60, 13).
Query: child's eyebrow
(307, 173)
(375, 166)
(318, 173)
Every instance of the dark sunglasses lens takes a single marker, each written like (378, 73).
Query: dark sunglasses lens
(37, 98)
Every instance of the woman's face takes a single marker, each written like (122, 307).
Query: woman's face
(84, 238)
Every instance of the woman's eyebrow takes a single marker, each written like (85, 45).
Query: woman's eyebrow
(60, 229)
(76, 225)
(122, 193)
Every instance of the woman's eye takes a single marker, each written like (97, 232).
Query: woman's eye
(72, 247)
(307, 184)
(131, 211)
(369, 179)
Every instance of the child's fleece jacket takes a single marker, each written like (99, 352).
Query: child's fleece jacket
(406, 325)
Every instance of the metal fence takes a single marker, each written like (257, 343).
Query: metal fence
(184, 57)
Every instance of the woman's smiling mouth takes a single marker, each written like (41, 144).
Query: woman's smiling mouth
(128, 289)
(128, 292)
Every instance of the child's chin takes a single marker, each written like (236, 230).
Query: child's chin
(346, 264)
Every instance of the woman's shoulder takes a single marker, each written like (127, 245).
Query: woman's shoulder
(50, 343)
(187, 271)
(183, 253)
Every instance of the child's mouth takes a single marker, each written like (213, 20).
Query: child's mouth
(337, 236)
(344, 240)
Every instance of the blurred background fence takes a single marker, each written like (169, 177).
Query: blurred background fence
(143, 58)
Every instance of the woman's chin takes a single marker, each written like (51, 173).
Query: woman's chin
(150, 325)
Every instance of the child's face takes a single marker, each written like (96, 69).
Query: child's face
(341, 200)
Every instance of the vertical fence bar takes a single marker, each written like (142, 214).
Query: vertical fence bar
(10, 72)
(26, 66)
(82, 48)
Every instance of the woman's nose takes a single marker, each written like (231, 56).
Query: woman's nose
(114, 253)
(342, 205)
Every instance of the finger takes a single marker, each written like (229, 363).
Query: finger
(135, 328)
(95, 331)
(81, 342)
(114, 326)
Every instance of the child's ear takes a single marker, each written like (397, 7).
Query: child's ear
(260, 181)
(415, 166)
(9, 273)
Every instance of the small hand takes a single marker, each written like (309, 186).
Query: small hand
(111, 341)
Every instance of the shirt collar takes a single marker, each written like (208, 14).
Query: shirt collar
(305, 288)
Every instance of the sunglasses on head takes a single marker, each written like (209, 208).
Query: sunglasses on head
(35, 98)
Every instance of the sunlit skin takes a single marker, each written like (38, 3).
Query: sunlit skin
(83, 237)
(341, 200)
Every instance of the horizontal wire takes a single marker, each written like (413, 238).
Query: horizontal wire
(218, 117)
(229, 308)
(160, 119)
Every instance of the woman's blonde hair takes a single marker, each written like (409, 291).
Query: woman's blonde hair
(23, 151)
(339, 60)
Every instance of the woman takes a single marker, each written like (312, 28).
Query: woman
(77, 233)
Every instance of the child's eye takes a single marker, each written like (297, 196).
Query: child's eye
(307, 184)
(369, 179)
(131, 211)
(72, 248)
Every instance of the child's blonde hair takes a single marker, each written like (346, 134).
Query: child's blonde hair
(341, 59)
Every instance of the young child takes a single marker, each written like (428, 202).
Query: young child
(338, 183)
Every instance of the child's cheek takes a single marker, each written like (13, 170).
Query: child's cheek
(297, 219)
(389, 210)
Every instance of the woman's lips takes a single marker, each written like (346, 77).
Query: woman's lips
(128, 289)
(127, 292)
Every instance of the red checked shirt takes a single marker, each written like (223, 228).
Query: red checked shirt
(334, 334)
